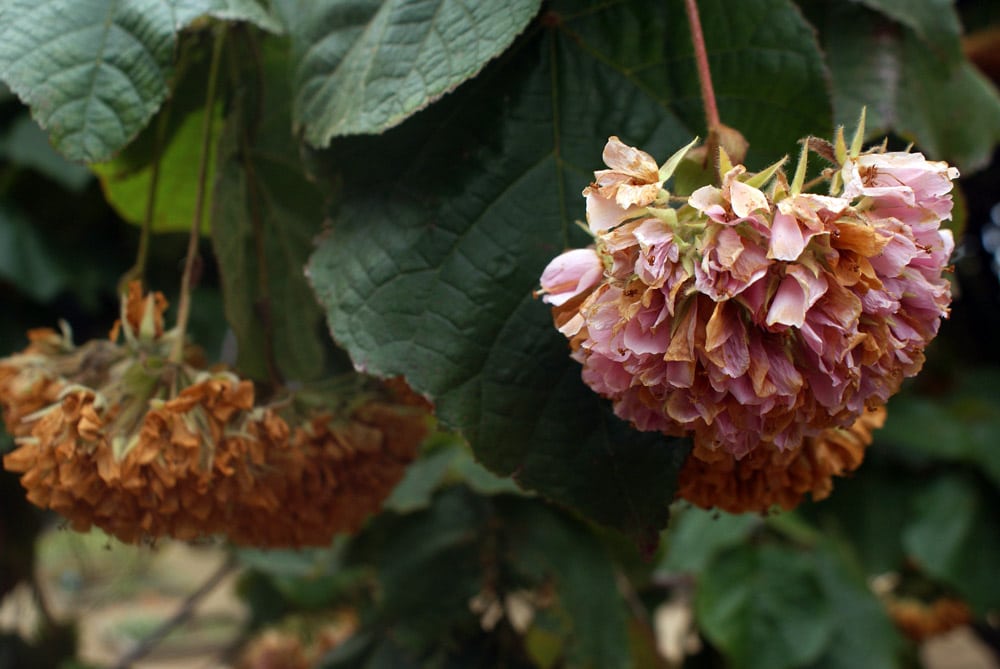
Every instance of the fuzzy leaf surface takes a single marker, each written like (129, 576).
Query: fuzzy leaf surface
(955, 537)
(933, 21)
(362, 67)
(447, 222)
(765, 606)
(887, 67)
(92, 71)
(251, 11)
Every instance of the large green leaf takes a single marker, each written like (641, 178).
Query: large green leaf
(25, 144)
(864, 635)
(251, 11)
(954, 536)
(960, 425)
(447, 222)
(933, 21)
(364, 66)
(765, 606)
(126, 186)
(95, 71)
(26, 259)
(447, 460)
(872, 529)
(92, 71)
(946, 106)
(429, 565)
(697, 535)
(767, 71)
(266, 215)
(548, 546)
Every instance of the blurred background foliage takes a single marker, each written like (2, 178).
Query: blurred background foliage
(464, 568)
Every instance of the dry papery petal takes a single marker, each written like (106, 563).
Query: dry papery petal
(768, 477)
(141, 315)
(336, 474)
(921, 621)
(274, 649)
(755, 316)
(191, 461)
(35, 377)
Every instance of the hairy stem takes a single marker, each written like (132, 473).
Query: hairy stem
(184, 303)
(138, 270)
(701, 58)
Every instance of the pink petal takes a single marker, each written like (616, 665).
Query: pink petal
(787, 242)
(570, 274)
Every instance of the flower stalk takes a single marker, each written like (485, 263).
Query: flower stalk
(701, 58)
(184, 302)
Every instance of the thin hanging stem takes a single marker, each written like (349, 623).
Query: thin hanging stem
(701, 58)
(138, 270)
(184, 304)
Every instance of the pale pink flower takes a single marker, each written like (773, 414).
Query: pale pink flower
(620, 193)
(907, 178)
(800, 218)
(570, 274)
(730, 263)
(748, 323)
(797, 293)
(733, 202)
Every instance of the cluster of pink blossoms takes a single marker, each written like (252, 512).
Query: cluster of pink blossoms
(755, 313)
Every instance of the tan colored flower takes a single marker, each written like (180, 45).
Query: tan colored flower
(336, 474)
(274, 649)
(768, 477)
(921, 620)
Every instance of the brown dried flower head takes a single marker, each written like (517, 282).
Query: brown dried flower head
(765, 478)
(337, 472)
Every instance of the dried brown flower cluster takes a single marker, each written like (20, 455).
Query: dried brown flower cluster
(762, 479)
(119, 437)
(337, 472)
(922, 620)
(300, 645)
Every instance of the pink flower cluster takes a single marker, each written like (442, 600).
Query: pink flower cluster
(747, 317)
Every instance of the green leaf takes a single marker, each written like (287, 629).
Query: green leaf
(92, 71)
(265, 217)
(955, 537)
(946, 107)
(765, 606)
(550, 546)
(447, 460)
(447, 222)
(363, 67)
(864, 636)
(26, 260)
(428, 566)
(961, 424)
(126, 185)
(27, 145)
(95, 71)
(767, 71)
(696, 536)
(251, 11)
(871, 529)
(933, 21)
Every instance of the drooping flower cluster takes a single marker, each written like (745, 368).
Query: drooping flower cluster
(768, 477)
(756, 315)
(120, 437)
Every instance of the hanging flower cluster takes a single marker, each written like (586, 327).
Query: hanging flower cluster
(121, 437)
(760, 319)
